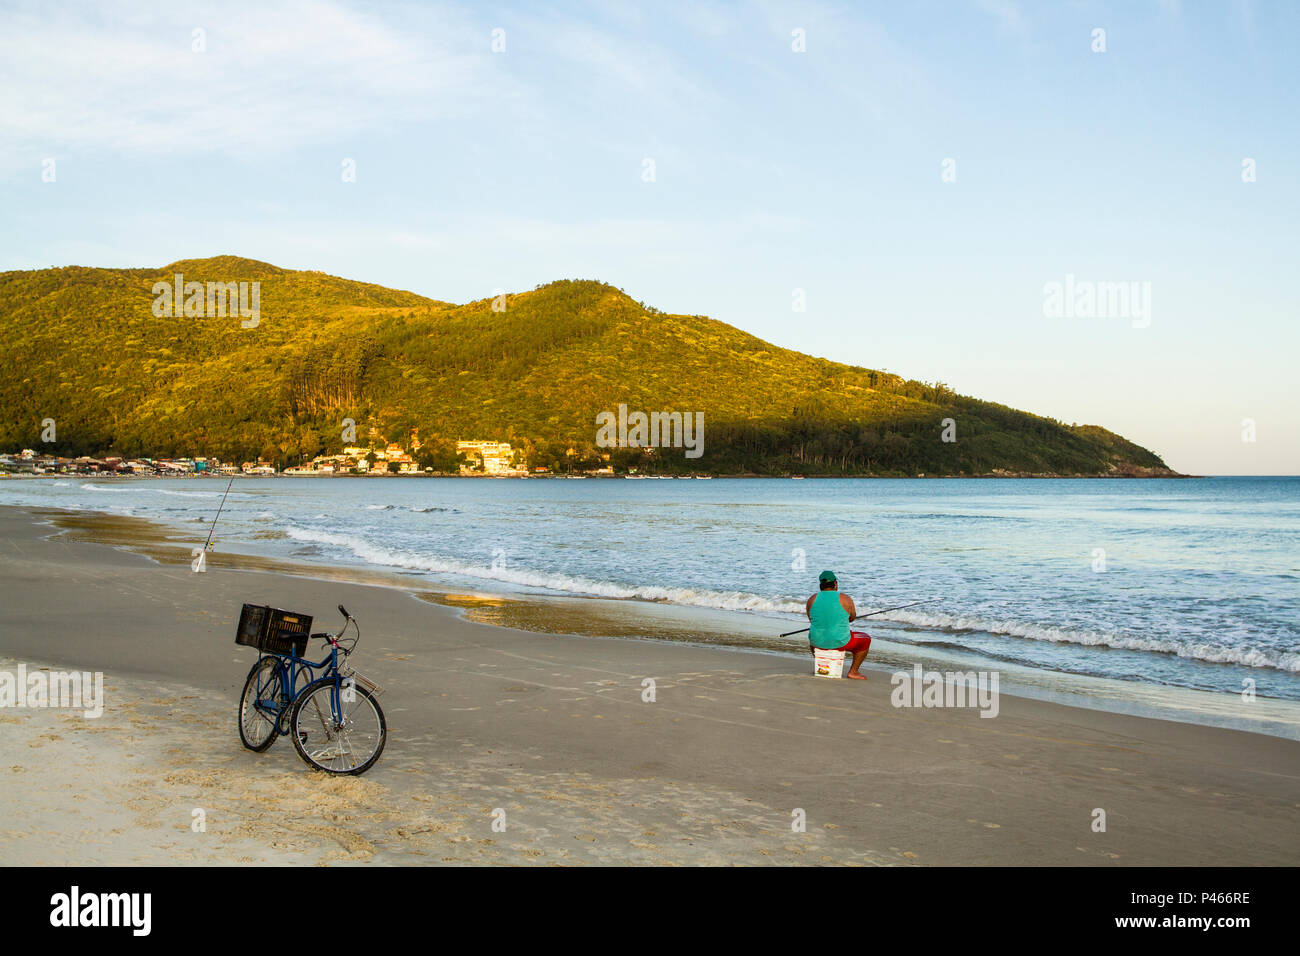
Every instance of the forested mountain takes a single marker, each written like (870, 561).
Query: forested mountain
(84, 346)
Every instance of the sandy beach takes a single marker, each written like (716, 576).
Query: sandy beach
(554, 730)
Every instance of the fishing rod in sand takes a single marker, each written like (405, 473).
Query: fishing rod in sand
(207, 545)
(870, 614)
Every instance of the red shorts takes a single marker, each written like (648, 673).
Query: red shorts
(858, 641)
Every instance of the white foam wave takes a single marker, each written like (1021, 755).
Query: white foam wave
(1202, 651)
(720, 600)
(741, 601)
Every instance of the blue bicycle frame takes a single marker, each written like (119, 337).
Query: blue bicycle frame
(290, 668)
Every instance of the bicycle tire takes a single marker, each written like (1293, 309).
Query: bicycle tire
(297, 730)
(248, 711)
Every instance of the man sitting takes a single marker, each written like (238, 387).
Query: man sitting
(829, 613)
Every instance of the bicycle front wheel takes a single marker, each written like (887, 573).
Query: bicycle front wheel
(337, 728)
(260, 705)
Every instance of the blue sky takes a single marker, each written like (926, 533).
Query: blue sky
(774, 170)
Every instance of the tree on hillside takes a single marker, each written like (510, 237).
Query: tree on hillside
(439, 454)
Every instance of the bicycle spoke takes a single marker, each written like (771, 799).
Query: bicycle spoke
(257, 729)
(315, 703)
(350, 742)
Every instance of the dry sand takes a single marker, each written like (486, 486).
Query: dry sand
(553, 730)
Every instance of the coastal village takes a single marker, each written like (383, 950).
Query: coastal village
(476, 458)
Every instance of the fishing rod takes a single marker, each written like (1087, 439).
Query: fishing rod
(207, 544)
(872, 614)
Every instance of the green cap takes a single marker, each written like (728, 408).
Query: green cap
(826, 577)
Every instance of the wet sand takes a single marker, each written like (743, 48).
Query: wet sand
(554, 730)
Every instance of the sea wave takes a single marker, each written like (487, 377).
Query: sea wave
(946, 516)
(1200, 651)
(572, 584)
(144, 488)
(742, 601)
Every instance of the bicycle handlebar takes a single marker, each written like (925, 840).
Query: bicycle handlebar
(350, 620)
(334, 637)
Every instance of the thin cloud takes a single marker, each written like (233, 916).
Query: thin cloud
(273, 76)
(1006, 13)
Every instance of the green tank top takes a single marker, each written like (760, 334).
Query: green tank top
(830, 622)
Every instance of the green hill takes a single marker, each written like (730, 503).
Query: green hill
(84, 347)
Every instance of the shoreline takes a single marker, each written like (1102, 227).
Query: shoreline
(593, 616)
(556, 733)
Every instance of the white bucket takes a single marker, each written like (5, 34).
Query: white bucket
(828, 663)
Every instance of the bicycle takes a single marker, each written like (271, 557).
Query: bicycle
(334, 720)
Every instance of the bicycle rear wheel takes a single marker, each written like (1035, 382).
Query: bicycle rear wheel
(260, 704)
(335, 735)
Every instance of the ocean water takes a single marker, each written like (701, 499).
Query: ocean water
(1188, 583)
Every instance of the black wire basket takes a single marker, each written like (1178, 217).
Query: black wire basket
(272, 630)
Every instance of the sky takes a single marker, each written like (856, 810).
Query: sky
(892, 185)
